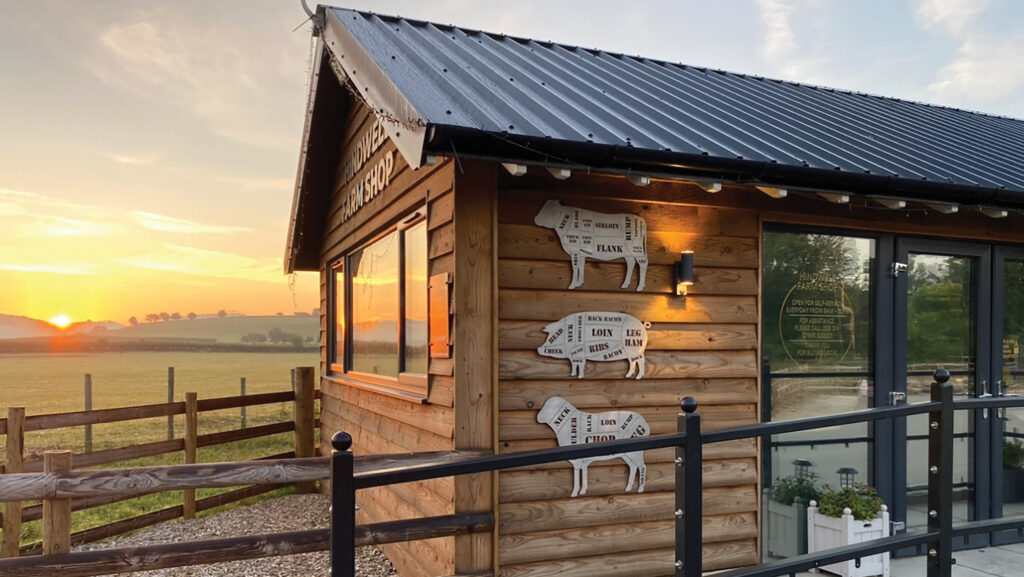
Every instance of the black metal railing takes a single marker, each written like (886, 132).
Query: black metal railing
(688, 442)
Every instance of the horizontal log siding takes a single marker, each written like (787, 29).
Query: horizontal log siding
(704, 346)
(380, 423)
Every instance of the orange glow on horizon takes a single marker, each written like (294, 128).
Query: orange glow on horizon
(61, 321)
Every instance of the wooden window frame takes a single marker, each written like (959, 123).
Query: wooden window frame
(410, 386)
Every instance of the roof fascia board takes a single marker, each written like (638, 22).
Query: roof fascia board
(357, 70)
(292, 248)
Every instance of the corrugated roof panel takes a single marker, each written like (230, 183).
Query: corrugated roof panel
(524, 88)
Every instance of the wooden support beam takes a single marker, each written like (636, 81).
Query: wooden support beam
(191, 447)
(15, 460)
(474, 344)
(56, 512)
(304, 385)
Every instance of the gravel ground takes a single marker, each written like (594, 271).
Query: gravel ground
(290, 513)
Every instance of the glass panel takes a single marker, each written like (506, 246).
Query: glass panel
(818, 324)
(416, 298)
(339, 316)
(374, 271)
(941, 333)
(1012, 420)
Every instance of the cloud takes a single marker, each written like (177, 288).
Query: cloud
(163, 223)
(952, 15)
(66, 269)
(781, 48)
(203, 59)
(128, 159)
(60, 226)
(201, 262)
(985, 69)
(779, 39)
(246, 183)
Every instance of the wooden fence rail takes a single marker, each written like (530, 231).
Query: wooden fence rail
(130, 559)
(23, 480)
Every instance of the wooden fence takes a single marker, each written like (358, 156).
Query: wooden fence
(55, 512)
(55, 486)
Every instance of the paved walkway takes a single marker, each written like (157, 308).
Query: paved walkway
(1003, 561)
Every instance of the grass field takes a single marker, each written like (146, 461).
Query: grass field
(54, 383)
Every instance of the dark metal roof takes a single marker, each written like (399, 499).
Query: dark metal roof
(511, 97)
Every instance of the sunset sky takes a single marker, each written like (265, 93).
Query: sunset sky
(148, 149)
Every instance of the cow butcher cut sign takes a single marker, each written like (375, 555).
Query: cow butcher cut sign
(597, 336)
(585, 233)
(575, 427)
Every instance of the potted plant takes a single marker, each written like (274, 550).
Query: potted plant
(1013, 471)
(786, 514)
(846, 516)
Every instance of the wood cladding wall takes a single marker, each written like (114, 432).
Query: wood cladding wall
(704, 345)
(377, 422)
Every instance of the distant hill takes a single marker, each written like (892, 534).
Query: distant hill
(228, 329)
(12, 327)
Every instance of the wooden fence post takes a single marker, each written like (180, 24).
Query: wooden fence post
(56, 512)
(243, 406)
(191, 438)
(15, 464)
(88, 407)
(304, 386)
(170, 399)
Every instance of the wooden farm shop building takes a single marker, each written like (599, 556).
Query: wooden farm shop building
(524, 244)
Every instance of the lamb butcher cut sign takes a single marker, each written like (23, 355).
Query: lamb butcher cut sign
(597, 336)
(575, 427)
(585, 233)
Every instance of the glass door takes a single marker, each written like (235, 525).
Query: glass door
(942, 312)
(1007, 452)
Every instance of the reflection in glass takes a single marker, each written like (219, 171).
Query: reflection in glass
(1012, 420)
(375, 307)
(416, 298)
(941, 333)
(818, 324)
(339, 315)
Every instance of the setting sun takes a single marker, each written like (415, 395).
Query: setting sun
(61, 321)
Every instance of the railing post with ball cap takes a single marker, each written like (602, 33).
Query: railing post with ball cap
(343, 507)
(940, 477)
(689, 473)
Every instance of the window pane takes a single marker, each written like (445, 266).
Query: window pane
(416, 299)
(339, 316)
(817, 322)
(374, 325)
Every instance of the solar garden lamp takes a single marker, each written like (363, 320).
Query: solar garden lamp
(802, 468)
(846, 475)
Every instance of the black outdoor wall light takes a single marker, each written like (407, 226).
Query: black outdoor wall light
(684, 272)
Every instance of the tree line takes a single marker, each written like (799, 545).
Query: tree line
(276, 336)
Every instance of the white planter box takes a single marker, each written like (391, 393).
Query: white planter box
(828, 532)
(786, 528)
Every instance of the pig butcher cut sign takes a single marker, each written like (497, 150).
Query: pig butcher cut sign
(585, 233)
(597, 336)
(575, 427)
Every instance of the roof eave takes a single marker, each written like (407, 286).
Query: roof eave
(567, 154)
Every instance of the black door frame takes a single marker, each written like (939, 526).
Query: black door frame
(980, 503)
(1001, 255)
